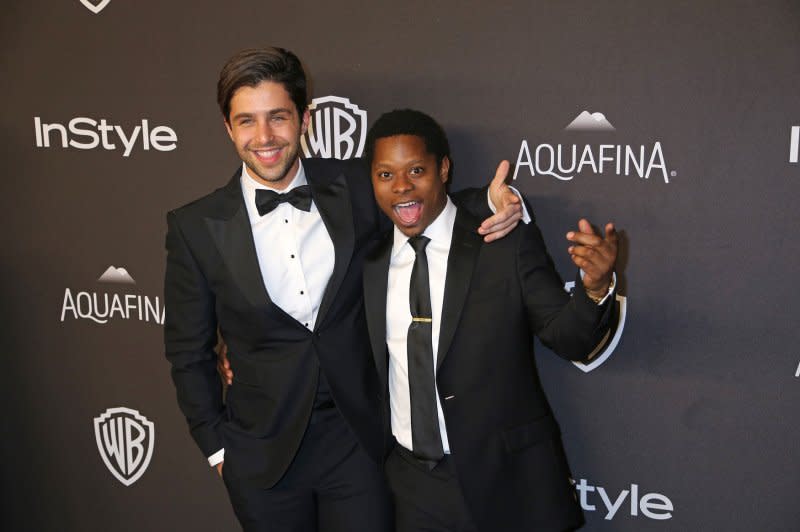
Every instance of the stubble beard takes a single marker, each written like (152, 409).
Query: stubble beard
(275, 175)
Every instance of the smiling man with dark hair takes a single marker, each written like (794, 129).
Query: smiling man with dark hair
(273, 261)
(451, 323)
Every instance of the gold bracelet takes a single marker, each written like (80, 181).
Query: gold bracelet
(598, 299)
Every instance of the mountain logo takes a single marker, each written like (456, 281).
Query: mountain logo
(116, 275)
(587, 121)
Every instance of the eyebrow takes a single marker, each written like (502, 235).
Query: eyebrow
(382, 163)
(271, 112)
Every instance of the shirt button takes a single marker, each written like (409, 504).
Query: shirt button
(291, 256)
(301, 292)
(285, 221)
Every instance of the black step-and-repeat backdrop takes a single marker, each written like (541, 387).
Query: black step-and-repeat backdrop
(678, 120)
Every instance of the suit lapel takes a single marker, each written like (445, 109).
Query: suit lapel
(233, 237)
(465, 246)
(332, 199)
(376, 279)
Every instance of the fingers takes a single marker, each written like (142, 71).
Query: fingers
(499, 233)
(504, 221)
(224, 365)
(611, 233)
(500, 195)
(219, 468)
(224, 370)
(594, 254)
(585, 234)
(500, 174)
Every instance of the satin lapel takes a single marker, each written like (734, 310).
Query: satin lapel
(333, 202)
(233, 237)
(464, 248)
(376, 279)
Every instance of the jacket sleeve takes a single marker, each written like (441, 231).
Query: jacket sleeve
(572, 326)
(190, 335)
(474, 201)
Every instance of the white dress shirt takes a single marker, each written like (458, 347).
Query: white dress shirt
(295, 251)
(398, 317)
(295, 254)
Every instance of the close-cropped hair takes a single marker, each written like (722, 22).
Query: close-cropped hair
(250, 67)
(410, 122)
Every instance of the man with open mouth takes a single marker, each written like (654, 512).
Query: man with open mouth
(474, 443)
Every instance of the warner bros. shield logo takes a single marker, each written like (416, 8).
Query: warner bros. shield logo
(125, 440)
(95, 6)
(337, 129)
(609, 344)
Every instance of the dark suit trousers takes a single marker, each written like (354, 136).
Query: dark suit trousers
(331, 486)
(426, 500)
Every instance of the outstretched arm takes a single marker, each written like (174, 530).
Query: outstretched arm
(571, 326)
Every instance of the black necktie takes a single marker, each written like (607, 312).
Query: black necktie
(299, 197)
(425, 435)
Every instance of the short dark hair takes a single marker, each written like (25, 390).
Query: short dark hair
(410, 122)
(250, 67)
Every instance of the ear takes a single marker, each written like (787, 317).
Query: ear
(228, 127)
(444, 169)
(306, 120)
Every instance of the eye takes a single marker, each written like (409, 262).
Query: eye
(245, 121)
(384, 176)
(416, 170)
(278, 118)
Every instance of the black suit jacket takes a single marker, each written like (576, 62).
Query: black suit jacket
(502, 433)
(213, 280)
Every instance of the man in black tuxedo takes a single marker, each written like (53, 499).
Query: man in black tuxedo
(273, 261)
(451, 322)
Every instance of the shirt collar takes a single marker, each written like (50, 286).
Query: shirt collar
(440, 231)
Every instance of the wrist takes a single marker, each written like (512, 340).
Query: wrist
(598, 294)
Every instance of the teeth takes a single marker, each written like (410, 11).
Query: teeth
(407, 204)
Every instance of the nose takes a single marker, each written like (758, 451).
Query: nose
(402, 184)
(264, 133)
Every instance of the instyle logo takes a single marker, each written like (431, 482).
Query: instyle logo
(650, 505)
(794, 144)
(603, 351)
(125, 440)
(102, 307)
(95, 6)
(564, 162)
(83, 133)
(337, 129)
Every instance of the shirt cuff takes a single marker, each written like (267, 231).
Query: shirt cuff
(526, 218)
(216, 458)
(611, 286)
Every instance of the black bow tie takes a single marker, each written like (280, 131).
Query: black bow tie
(299, 197)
